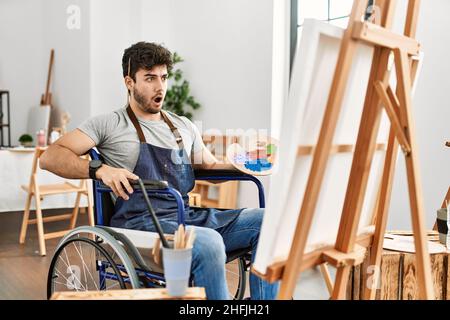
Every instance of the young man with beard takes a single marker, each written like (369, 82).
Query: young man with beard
(141, 140)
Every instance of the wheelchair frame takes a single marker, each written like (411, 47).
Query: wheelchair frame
(142, 273)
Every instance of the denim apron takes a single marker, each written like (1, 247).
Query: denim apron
(173, 166)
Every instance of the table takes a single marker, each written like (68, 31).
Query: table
(192, 293)
(15, 169)
(399, 275)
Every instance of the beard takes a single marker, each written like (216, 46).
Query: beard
(145, 103)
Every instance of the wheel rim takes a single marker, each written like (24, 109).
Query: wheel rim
(108, 243)
(81, 264)
(236, 278)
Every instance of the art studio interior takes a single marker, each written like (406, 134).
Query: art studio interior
(224, 150)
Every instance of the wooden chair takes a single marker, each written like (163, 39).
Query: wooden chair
(39, 191)
(226, 194)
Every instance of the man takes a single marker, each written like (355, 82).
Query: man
(142, 141)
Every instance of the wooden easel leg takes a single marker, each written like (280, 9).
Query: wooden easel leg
(363, 155)
(340, 285)
(327, 277)
(360, 171)
(26, 215)
(415, 190)
(446, 201)
(40, 225)
(382, 214)
(321, 154)
(90, 207)
(419, 228)
(75, 211)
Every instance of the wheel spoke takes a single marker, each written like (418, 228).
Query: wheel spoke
(234, 273)
(84, 271)
(68, 281)
(84, 264)
(69, 267)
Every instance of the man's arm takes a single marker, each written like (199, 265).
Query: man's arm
(63, 158)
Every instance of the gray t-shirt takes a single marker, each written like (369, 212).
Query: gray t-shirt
(117, 141)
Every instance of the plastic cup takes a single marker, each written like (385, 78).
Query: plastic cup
(177, 270)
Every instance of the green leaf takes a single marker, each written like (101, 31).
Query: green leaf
(178, 97)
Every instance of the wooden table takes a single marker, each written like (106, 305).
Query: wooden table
(398, 276)
(193, 293)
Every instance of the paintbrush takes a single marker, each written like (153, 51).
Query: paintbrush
(153, 215)
(190, 238)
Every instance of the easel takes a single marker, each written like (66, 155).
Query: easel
(349, 250)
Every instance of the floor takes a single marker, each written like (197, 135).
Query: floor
(23, 272)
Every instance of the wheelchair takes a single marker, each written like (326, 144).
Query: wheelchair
(108, 258)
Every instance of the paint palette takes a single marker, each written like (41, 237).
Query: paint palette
(255, 155)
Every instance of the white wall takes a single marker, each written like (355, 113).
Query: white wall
(228, 50)
(432, 118)
(22, 60)
(115, 25)
(227, 47)
(71, 82)
(28, 30)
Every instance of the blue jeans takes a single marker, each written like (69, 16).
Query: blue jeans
(208, 256)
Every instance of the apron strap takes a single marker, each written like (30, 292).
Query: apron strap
(166, 119)
(174, 130)
(135, 122)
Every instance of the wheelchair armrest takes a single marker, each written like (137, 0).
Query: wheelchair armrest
(149, 184)
(152, 184)
(152, 187)
(205, 173)
(231, 175)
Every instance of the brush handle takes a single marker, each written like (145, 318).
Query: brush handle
(153, 215)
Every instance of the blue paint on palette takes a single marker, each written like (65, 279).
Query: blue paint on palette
(258, 165)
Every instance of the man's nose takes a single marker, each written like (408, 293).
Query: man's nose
(159, 85)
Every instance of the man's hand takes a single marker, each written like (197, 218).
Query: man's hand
(116, 179)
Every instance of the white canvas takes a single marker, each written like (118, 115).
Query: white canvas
(313, 72)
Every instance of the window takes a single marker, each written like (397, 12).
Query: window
(335, 12)
(331, 11)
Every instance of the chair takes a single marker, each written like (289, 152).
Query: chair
(122, 263)
(39, 191)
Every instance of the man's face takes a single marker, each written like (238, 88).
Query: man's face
(150, 88)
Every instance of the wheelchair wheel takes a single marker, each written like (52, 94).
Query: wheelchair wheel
(89, 258)
(236, 274)
(81, 264)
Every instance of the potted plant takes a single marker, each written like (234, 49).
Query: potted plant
(26, 140)
(178, 99)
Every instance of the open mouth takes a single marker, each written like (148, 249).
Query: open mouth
(158, 99)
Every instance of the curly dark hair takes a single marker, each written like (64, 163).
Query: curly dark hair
(145, 55)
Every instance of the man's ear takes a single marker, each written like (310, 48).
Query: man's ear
(129, 82)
